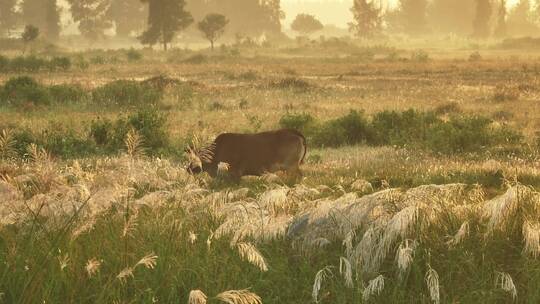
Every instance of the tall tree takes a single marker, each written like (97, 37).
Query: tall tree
(45, 14)
(481, 24)
(128, 16)
(500, 28)
(91, 15)
(520, 21)
(213, 26)
(8, 16)
(165, 19)
(411, 16)
(248, 17)
(367, 18)
(452, 16)
(306, 24)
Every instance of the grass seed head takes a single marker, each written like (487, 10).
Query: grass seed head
(197, 297)
(239, 297)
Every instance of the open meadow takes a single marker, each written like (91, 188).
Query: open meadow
(420, 185)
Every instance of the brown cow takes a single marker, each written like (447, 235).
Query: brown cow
(251, 154)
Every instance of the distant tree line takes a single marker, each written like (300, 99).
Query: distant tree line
(158, 21)
(474, 18)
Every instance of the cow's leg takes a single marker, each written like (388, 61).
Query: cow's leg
(294, 172)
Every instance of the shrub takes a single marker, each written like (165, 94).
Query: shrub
(24, 89)
(196, 59)
(126, 92)
(475, 56)
(447, 108)
(27, 64)
(64, 141)
(98, 60)
(405, 128)
(149, 122)
(420, 56)
(350, 129)
(60, 63)
(301, 122)
(133, 55)
(4, 63)
(292, 83)
(506, 93)
(66, 93)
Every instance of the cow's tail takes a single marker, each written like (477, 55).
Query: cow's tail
(304, 143)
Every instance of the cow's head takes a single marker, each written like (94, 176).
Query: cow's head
(195, 165)
(198, 159)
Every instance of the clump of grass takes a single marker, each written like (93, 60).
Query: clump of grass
(126, 93)
(505, 93)
(21, 90)
(292, 83)
(420, 56)
(133, 55)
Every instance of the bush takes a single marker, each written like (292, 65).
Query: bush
(411, 128)
(20, 90)
(60, 64)
(420, 56)
(475, 56)
(64, 141)
(304, 123)
(66, 93)
(149, 122)
(133, 55)
(32, 64)
(126, 92)
(292, 83)
(196, 59)
(350, 129)
(405, 128)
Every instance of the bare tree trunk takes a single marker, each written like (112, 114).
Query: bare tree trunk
(212, 45)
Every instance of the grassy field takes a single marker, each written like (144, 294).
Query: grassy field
(420, 184)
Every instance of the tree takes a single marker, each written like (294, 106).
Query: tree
(45, 14)
(91, 16)
(306, 24)
(247, 17)
(367, 18)
(8, 16)
(500, 29)
(411, 16)
(481, 24)
(165, 19)
(213, 26)
(520, 21)
(127, 15)
(452, 16)
(30, 34)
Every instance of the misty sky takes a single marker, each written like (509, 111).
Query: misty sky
(335, 12)
(328, 11)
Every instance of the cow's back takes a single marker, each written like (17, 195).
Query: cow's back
(254, 154)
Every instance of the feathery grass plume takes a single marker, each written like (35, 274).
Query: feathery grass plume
(503, 210)
(345, 269)
(250, 253)
(477, 194)
(134, 143)
(92, 267)
(209, 240)
(276, 200)
(365, 250)
(149, 261)
(223, 169)
(461, 234)
(321, 275)
(531, 238)
(319, 242)
(7, 144)
(125, 274)
(375, 287)
(504, 281)
(197, 297)
(348, 242)
(239, 297)
(130, 224)
(192, 237)
(432, 282)
(405, 255)
(38, 155)
(64, 261)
